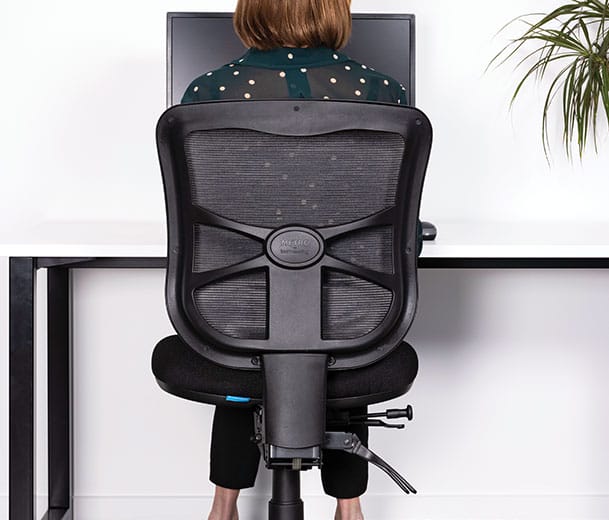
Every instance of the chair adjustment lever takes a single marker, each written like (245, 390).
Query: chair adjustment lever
(350, 442)
(394, 413)
(378, 422)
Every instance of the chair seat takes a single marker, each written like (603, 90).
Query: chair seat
(181, 371)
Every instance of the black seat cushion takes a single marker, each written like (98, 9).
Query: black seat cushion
(179, 370)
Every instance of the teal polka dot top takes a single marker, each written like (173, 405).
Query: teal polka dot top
(318, 73)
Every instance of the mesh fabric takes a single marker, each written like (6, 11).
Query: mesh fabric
(215, 248)
(236, 306)
(273, 181)
(371, 248)
(269, 180)
(351, 307)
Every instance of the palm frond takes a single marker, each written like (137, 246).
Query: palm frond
(577, 33)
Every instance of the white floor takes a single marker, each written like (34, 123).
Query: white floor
(376, 507)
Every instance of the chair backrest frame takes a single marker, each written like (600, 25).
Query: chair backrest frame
(294, 118)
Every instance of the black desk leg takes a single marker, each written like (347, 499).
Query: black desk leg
(22, 272)
(59, 394)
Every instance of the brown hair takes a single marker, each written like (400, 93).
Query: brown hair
(268, 24)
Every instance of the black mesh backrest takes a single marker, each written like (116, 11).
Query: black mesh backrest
(272, 180)
(248, 183)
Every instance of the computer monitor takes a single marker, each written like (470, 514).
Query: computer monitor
(199, 42)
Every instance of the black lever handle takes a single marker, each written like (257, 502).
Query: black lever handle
(351, 443)
(383, 424)
(398, 414)
(394, 413)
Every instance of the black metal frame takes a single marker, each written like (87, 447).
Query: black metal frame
(22, 276)
(59, 368)
(22, 280)
(22, 405)
(22, 391)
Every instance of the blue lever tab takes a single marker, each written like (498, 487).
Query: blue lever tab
(235, 399)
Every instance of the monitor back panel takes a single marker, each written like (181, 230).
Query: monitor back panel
(199, 42)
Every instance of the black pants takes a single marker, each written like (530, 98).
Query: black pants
(234, 457)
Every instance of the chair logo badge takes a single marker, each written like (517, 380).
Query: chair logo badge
(295, 247)
(295, 243)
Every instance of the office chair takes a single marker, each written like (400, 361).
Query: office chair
(291, 277)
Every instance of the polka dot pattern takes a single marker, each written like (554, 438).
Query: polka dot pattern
(331, 75)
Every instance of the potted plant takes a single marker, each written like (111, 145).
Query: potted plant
(569, 48)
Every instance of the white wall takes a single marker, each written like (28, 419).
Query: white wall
(511, 403)
(85, 83)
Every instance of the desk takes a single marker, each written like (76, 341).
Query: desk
(62, 247)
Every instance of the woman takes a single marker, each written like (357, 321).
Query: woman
(293, 53)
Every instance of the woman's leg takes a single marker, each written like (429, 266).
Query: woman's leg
(234, 459)
(348, 509)
(224, 506)
(345, 476)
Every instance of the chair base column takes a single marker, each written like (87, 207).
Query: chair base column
(286, 503)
